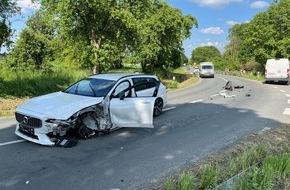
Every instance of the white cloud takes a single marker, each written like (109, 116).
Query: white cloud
(214, 3)
(26, 5)
(212, 30)
(190, 46)
(259, 5)
(210, 44)
(231, 22)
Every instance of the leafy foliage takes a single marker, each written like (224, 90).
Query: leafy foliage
(205, 53)
(7, 9)
(30, 51)
(160, 44)
(34, 49)
(266, 36)
(103, 34)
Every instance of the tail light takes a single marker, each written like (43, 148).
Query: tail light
(288, 72)
(265, 71)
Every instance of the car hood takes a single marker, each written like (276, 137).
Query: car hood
(58, 105)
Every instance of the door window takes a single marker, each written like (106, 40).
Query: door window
(122, 87)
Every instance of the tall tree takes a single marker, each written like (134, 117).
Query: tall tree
(266, 36)
(7, 9)
(163, 32)
(30, 51)
(102, 24)
(205, 53)
(34, 48)
(108, 30)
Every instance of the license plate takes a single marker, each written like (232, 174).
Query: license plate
(26, 129)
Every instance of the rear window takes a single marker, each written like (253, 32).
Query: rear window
(147, 83)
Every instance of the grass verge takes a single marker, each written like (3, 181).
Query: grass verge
(248, 75)
(18, 86)
(8, 105)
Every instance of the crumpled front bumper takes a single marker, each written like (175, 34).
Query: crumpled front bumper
(38, 137)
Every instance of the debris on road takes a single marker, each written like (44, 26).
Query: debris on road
(67, 143)
(223, 93)
(229, 86)
(238, 87)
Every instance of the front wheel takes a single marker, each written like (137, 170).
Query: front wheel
(158, 106)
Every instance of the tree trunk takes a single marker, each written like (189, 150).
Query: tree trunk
(96, 43)
(143, 66)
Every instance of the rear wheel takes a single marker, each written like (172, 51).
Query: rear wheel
(158, 106)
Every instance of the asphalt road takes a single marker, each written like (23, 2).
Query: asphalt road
(198, 121)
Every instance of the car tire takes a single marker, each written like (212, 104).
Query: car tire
(158, 106)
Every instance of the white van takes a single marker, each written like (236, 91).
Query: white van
(206, 69)
(277, 70)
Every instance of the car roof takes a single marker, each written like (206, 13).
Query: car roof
(117, 76)
(206, 63)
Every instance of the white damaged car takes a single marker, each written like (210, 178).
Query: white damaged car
(91, 106)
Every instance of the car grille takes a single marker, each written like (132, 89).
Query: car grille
(28, 121)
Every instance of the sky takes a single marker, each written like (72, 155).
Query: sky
(214, 17)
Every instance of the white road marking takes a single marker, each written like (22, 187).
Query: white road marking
(195, 101)
(11, 142)
(222, 78)
(166, 109)
(275, 87)
(214, 95)
(282, 91)
(192, 102)
(264, 130)
(287, 95)
(288, 101)
(286, 111)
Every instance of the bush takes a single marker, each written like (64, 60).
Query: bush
(253, 66)
(170, 84)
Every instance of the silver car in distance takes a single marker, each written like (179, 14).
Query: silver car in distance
(92, 106)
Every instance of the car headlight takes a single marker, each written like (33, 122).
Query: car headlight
(51, 126)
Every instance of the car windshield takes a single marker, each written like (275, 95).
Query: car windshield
(91, 87)
(206, 67)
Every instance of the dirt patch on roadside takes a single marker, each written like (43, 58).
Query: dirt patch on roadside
(8, 106)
